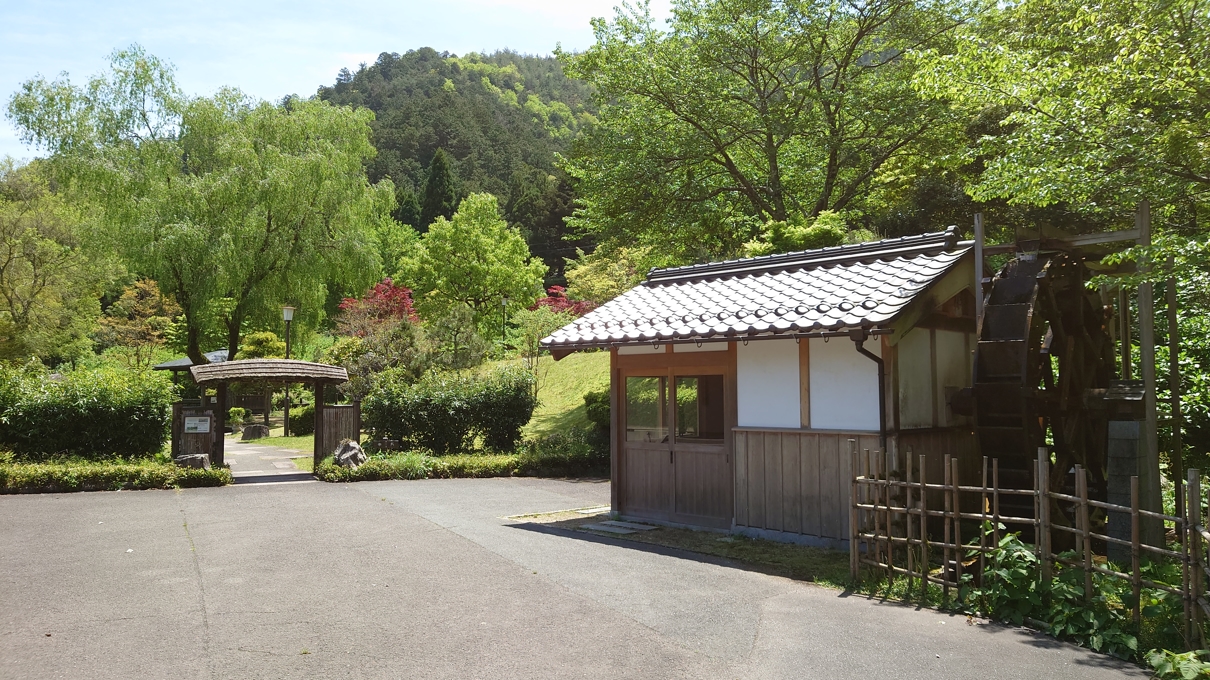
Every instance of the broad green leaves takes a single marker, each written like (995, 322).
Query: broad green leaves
(745, 111)
(475, 259)
(1103, 104)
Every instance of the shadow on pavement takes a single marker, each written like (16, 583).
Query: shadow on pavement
(276, 478)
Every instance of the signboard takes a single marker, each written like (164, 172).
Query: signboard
(197, 424)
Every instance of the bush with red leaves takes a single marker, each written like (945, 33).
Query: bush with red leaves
(384, 303)
(556, 298)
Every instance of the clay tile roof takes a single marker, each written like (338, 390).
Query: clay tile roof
(272, 370)
(831, 289)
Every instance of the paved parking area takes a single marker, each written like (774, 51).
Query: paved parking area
(428, 580)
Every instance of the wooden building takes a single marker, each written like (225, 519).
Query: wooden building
(736, 386)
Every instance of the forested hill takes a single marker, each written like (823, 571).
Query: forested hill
(501, 118)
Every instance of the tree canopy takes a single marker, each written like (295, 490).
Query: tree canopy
(474, 259)
(234, 206)
(500, 119)
(745, 111)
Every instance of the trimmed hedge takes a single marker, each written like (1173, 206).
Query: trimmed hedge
(114, 475)
(302, 421)
(444, 412)
(596, 407)
(87, 413)
(576, 453)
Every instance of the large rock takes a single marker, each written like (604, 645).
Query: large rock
(255, 432)
(349, 454)
(193, 460)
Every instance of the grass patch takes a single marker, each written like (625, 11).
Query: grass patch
(78, 474)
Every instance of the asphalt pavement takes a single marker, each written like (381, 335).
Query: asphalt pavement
(428, 579)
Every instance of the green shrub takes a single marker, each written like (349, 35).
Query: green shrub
(302, 421)
(89, 413)
(443, 412)
(409, 465)
(236, 417)
(575, 452)
(78, 474)
(596, 407)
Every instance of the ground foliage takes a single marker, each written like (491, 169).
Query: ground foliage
(115, 474)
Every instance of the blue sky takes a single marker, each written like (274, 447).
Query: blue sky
(271, 49)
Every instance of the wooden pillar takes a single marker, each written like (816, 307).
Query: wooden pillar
(616, 432)
(220, 423)
(978, 268)
(1176, 456)
(319, 425)
(1149, 458)
(1124, 332)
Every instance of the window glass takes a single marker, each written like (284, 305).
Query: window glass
(699, 407)
(646, 404)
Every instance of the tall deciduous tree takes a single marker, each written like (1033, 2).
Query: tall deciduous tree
(49, 287)
(474, 259)
(1100, 103)
(440, 191)
(744, 111)
(233, 206)
(138, 321)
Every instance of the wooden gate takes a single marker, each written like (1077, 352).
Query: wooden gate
(340, 423)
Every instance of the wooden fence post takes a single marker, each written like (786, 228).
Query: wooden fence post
(907, 519)
(854, 529)
(925, 561)
(945, 552)
(958, 552)
(1085, 528)
(996, 502)
(983, 525)
(1193, 525)
(1043, 492)
(1135, 570)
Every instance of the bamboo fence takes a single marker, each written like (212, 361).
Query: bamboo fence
(891, 531)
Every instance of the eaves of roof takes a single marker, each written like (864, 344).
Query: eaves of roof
(819, 292)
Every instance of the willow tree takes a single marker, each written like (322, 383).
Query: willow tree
(234, 206)
(745, 111)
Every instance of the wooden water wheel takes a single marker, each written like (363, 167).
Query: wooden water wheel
(1042, 343)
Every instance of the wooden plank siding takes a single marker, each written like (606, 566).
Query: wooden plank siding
(795, 481)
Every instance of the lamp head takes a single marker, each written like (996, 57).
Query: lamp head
(287, 313)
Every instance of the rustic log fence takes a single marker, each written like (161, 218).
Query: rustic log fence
(895, 517)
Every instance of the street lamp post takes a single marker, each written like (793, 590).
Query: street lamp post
(287, 315)
(503, 315)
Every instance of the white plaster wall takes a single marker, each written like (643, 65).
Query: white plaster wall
(953, 371)
(915, 379)
(641, 349)
(844, 385)
(766, 383)
(704, 347)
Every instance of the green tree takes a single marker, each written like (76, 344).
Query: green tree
(233, 206)
(138, 321)
(50, 288)
(474, 259)
(744, 111)
(1100, 104)
(262, 345)
(440, 191)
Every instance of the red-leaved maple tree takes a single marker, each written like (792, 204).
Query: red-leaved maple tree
(556, 299)
(385, 302)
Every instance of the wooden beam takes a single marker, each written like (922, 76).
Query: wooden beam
(319, 453)
(947, 286)
(220, 422)
(978, 265)
(804, 382)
